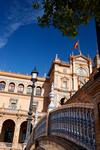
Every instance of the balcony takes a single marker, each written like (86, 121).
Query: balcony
(10, 146)
(12, 111)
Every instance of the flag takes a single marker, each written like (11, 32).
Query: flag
(76, 45)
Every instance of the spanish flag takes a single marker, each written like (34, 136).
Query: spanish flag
(76, 45)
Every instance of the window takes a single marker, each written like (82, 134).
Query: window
(20, 88)
(38, 91)
(22, 133)
(64, 83)
(13, 103)
(64, 70)
(2, 86)
(7, 131)
(11, 87)
(81, 72)
(29, 89)
(8, 135)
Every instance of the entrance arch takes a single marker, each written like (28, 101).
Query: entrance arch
(7, 132)
(22, 133)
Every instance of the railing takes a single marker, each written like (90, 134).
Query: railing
(9, 146)
(4, 145)
(40, 129)
(71, 122)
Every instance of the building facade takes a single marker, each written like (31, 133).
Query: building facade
(15, 92)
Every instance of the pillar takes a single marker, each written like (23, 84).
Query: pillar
(16, 136)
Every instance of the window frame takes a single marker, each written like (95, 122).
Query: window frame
(28, 88)
(20, 89)
(2, 83)
(38, 91)
(11, 88)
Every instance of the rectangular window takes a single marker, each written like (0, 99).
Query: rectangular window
(13, 103)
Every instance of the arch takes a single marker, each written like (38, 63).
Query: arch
(29, 89)
(82, 71)
(22, 133)
(11, 87)
(7, 132)
(2, 85)
(20, 88)
(38, 91)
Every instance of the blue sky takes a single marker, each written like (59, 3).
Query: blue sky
(23, 44)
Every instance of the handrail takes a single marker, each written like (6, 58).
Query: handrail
(74, 122)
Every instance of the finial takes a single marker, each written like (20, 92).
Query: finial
(80, 52)
(56, 57)
(52, 98)
(44, 74)
(97, 51)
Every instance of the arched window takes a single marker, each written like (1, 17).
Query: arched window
(7, 131)
(2, 85)
(11, 87)
(29, 89)
(20, 88)
(81, 72)
(22, 133)
(38, 91)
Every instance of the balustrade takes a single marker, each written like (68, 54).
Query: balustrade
(40, 129)
(71, 123)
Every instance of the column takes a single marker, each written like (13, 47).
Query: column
(1, 123)
(16, 136)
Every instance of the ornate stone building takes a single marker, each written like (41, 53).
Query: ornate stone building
(15, 91)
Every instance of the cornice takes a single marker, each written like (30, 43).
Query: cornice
(21, 76)
(19, 94)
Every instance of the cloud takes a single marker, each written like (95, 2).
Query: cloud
(3, 42)
(15, 14)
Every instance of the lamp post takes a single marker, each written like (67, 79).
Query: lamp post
(34, 75)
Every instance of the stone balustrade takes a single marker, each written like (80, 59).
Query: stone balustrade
(16, 111)
(74, 122)
(9, 146)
